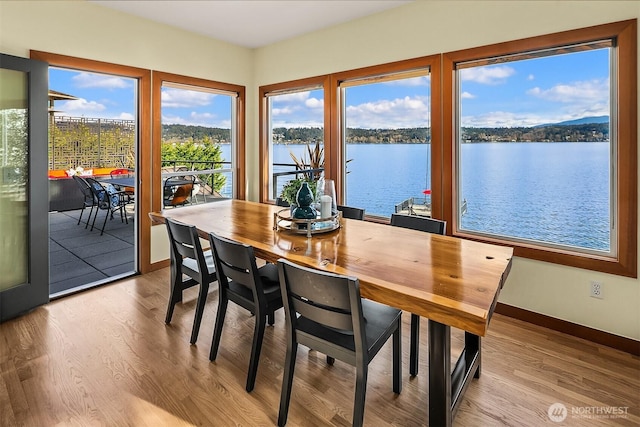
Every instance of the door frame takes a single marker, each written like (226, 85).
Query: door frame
(143, 152)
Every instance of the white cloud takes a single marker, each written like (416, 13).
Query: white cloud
(390, 114)
(90, 80)
(467, 95)
(314, 103)
(489, 75)
(531, 77)
(80, 107)
(589, 91)
(181, 98)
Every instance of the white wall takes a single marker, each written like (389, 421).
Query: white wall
(423, 28)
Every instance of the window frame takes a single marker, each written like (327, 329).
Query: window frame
(624, 125)
(160, 78)
(431, 63)
(264, 92)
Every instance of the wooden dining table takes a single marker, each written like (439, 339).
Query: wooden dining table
(451, 281)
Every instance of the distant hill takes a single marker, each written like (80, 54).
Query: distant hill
(582, 121)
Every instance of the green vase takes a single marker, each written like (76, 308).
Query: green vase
(304, 198)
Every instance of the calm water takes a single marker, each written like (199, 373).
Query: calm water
(554, 192)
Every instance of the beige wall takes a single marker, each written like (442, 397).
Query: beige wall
(418, 29)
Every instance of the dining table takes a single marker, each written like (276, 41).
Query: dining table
(453, 282)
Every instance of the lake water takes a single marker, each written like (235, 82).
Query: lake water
(553, 192)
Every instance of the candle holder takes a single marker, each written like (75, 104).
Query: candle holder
(326, 197)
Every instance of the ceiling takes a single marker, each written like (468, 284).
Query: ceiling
(254, 23)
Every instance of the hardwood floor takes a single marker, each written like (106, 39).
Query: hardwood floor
(105, 357)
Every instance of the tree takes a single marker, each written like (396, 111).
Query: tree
(199, 155)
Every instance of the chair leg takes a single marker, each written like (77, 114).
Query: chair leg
(104, 224)
(415, 344)
(176, 292)
(271, 317)
(397, 360)
(360, 395)
(80, 218)
(202, 299)
(331, 360)
(287, 383)
(217, 330)
(258, 335)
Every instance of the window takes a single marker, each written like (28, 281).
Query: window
(386, 141)
(200, 126)
(292, 135)
(543, 153)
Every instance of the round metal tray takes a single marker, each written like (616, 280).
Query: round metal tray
(282, 220)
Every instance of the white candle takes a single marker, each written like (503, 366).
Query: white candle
(325, 206)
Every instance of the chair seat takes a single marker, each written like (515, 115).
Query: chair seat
(192, 264)
(379, 320)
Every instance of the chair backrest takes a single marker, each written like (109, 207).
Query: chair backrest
(331, 300)
(237, 261)
(105, 198)
(185, 243)
(351, 213)
(182, 192)
(420, 223)
(85, 188)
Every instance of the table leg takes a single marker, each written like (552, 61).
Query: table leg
(446, 387)
(439, 374)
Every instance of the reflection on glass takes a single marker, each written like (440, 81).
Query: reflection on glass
(13, 182)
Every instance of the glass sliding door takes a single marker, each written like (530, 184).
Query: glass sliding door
(23, 196)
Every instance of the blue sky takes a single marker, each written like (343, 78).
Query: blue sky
(520, 93)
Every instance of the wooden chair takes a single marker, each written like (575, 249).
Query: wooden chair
(242, 282)
(324, 312)
(429, 225)
(188, 259)
(351, 213)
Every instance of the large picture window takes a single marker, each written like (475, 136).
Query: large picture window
(386, 141)
(543, 151)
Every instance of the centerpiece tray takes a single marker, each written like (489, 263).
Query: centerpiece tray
(282, 220)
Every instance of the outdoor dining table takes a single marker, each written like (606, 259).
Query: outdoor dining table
(451, 281)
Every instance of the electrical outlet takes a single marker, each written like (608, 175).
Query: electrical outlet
(596, 289)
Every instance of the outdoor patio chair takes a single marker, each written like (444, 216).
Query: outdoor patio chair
(121, 173)
(242, 282)
(89, 200)
(178, 191)
(108, 199)
(429, 225)
(324, 311)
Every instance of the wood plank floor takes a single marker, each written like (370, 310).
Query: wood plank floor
(105, 357)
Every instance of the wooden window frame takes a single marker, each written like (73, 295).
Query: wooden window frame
(264, 119)
(240, 173)
(624, 34)
(383, 72)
